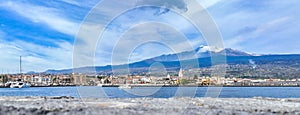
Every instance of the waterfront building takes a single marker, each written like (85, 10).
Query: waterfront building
(180, 73)
(77, 79)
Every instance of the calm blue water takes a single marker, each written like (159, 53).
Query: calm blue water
(164, 92)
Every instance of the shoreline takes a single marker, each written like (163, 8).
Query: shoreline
(165, 86)
(148, 106)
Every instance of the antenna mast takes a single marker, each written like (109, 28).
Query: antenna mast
(20, 64)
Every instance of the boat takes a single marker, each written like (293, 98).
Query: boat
(19, 84)
(100, 85)
(7, 84)
(125, 86)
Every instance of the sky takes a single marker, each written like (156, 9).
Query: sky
(44, 32)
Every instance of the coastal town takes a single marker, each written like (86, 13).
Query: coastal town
(179, 79)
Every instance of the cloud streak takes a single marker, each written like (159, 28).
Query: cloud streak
(52, 17)
(263, 29)
(35, 57)
(256, 26)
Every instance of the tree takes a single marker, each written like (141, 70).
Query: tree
(183, 81)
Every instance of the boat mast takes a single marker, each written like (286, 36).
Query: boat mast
(20, 64)
(21, 67)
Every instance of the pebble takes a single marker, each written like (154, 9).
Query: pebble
(148, 106)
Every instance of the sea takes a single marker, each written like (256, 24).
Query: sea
(155, 92)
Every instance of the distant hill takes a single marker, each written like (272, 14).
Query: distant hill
(172, 63)
(31, 72)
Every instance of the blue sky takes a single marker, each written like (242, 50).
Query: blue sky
(43, 32)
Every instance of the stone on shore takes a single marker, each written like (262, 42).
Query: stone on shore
(148, 106)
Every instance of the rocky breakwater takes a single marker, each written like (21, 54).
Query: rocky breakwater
(148, 106)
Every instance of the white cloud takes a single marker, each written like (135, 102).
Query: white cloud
(88, 36)
(53, 18)
(210, 48)
(73, 2)
(271, 25)
(258, 27)
(43, 57)
(262, 29)
(208, 3)
(141, 36)
(34, 57)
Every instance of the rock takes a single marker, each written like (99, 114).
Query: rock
(62, 97)
(32, 110)
(148, 106)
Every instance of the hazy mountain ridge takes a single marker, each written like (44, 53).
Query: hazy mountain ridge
(171, 61)
(197, 53)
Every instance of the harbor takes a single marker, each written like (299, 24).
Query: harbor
(49, 80)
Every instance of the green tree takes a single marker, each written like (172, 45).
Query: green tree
(183, 81)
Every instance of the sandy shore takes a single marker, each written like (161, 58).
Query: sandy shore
(148, 106)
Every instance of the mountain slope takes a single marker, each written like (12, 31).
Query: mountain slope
(200, 52)
(171, 62)
(284, 61)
